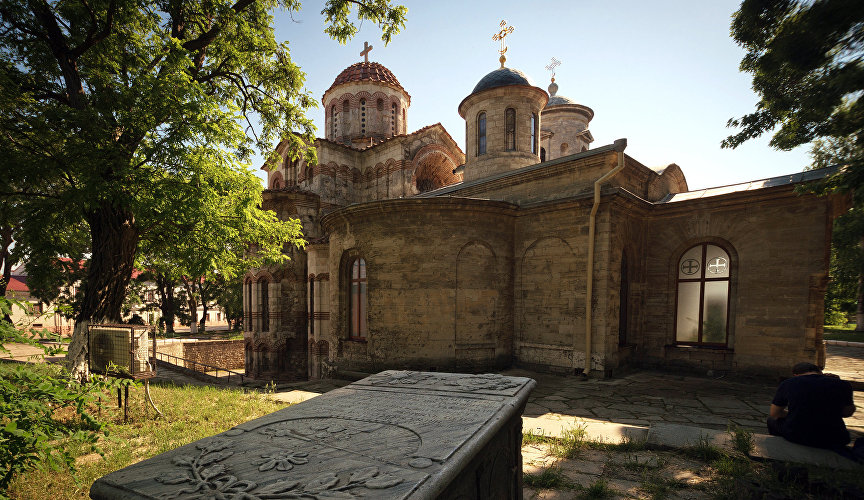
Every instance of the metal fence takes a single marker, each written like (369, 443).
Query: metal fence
(194, 366)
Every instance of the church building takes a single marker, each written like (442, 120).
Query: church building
(532, 247)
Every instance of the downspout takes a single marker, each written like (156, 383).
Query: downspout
(619, 147)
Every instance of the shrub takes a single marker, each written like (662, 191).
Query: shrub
(39, 405)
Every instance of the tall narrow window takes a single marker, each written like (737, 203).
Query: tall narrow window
(333, 122)
(510, 129)
(393, 119)
(623, 299)
(363, 117)
(265, 305)
(534, 133)
(312, 307)
(481, 134)
(702, 312)
(248, 319)
(358, 294)
(542, 154)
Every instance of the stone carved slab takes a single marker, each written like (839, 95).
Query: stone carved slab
(393, 435)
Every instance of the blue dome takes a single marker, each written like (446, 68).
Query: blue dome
(501, 77)
(556, 100)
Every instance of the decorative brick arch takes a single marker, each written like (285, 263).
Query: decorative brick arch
(433, 168)
(277, 181)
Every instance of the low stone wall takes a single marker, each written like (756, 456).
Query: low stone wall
(227, 354)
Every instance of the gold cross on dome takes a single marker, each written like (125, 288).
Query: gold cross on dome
(365, 53)
(502, 33)
(552, 65)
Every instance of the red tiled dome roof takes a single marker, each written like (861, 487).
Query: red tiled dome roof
(366, 72)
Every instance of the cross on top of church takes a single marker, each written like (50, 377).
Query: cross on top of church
(552, 65)
(502, 33)
(365, 53)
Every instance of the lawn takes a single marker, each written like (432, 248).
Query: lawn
(191, 413)
(844, 332)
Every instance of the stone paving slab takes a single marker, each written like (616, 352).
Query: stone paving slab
(595, 430)
(764, 446)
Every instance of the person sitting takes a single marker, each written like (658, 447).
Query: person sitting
(809, 408)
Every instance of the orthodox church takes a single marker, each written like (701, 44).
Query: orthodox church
(531, 247)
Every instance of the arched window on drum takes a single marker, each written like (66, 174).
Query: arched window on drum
(357, 294)
(702, 305)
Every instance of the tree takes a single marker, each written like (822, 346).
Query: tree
(116, 115)
(807, 62)
(847, 239)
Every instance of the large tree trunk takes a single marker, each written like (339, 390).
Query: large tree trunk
(114, 240)
(192, 302)
(859, 311)
(167, 303)
(5, 263)
(204, 309)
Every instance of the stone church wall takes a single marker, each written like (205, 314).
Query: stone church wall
(439, 280)
(550, 286)
(778, 245)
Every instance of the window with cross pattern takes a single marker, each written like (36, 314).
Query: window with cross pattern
(702, 305)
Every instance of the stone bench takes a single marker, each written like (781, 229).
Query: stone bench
(397, 434)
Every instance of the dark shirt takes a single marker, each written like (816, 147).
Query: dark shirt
(815, 404)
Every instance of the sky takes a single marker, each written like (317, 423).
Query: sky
(662, 74)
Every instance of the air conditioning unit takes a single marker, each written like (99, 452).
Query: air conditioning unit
(120, 350)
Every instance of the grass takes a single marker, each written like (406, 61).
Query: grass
(529, 437)
(571, 442)
(597, 490)
(843, 332)
(703, 450)
(742, 439)
(551, 478)
(191, 413)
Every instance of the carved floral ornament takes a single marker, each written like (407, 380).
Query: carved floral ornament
(205, 476)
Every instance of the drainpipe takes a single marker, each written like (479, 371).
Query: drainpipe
(619, 147)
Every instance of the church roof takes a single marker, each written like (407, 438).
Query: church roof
(367, 72)
(556, 100)
(781, 180)
(502, 77)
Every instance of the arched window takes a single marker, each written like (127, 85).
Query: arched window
(510, 129)
(542, 154)
(264, 304)
(481, 134)
(333, 122)
(702, 307)
(248, 316)
(357, 297)
(534, 133)
(379, 104)
(345, 106)
(564, 148)
(393, 119)
(363, 117)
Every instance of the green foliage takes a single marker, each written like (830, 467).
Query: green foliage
(38, 406)
(22, 334)
(190, 413)
(551, 477)
(571, 442)
(742, 439)
(703, 450)
(597, 490)
(807, 63)
(129, 124)
(530, 437)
